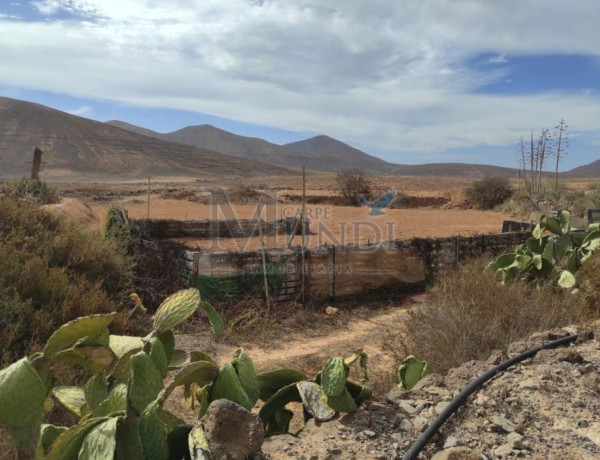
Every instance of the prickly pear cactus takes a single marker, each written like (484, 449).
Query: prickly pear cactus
(412, 370)
(176, 309)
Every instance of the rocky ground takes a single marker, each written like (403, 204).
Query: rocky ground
(547, 407)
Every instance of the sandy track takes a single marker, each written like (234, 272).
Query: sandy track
(370, 334)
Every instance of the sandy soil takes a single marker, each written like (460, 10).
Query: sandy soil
(329, 224)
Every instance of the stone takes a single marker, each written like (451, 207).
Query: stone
(406, 406)
(430, 380)
(439, 408)
(553, 334)
(559, 355)
(397, 394)
(503, 450)
(531, 383)
(503, 424)
(496, 357)
(451, 441)
(369, 434)
(331, 310)
(458, 453)
(231, 431)
(516, 441)
(420, 424)
(406, 425)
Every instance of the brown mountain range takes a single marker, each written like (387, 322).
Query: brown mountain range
(82, 149)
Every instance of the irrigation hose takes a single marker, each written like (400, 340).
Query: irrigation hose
(420, 443)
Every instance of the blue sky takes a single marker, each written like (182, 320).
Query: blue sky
(411, 82)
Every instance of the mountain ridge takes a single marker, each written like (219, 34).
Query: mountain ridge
(77, 147)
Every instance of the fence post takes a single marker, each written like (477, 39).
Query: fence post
(333, 274)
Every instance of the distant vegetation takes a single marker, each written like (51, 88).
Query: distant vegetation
(352, 184)
(33, 191)
(489, 192)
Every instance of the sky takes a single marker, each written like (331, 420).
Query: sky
(409, 81)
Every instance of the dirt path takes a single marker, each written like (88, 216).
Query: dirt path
(371, 334)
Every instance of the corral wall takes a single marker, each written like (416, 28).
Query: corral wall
(154, 229)
(332, 271)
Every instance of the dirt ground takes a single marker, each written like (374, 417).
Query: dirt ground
(329, 224)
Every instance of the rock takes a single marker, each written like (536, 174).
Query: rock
(331, 310)
(406, 425)
(482, 400)
(503, 450)
(458, 453)
(420, 424)
(437, 391)
(397, 394)
(496, 357)
(503, 424)
(531, 383)
(406, 406)
(559, 355)
(451, 441)
(516, 441)
(582, 424)
(369, 434)
(430, 380)
(523, 346)
(439, 408)
(232, 432)
(553, 334)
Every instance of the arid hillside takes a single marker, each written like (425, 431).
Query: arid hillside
(81, 149)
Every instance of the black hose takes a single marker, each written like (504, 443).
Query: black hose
(420, 443)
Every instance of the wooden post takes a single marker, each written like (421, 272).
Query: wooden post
(264, 260)
(36, 164)
(303, 225)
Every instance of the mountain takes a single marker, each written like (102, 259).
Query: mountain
(589, 170)
(320, 153)
(82, 149)
(323, 153)
(336, 155)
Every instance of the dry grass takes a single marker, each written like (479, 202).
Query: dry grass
(470, 313)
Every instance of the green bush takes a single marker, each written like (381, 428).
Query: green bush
(489, 192)
(31, 190)
(52, 270)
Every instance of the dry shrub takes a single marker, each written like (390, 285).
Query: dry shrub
(469, 314)
(31, 190)
(589, 282)
(242, 194)
(489, 192)
(52, 270)
(352, 184)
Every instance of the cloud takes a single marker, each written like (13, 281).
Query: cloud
(80, 110)
(390, 77)
(499, 59)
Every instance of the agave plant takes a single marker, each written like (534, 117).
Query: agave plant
(553, 248)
